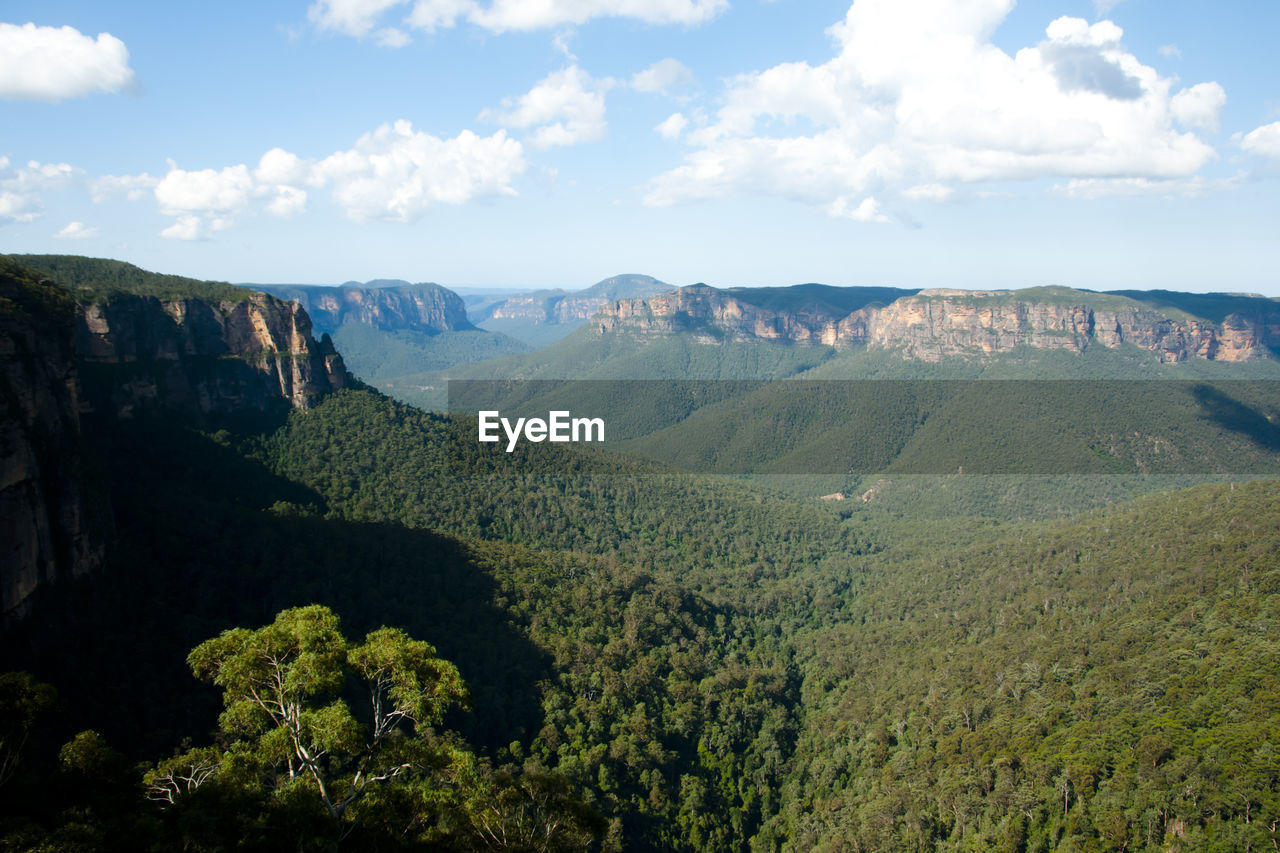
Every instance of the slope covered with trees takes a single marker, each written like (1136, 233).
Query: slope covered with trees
(652, 659)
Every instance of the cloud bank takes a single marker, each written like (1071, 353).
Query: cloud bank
(918, 104)
(392, 174)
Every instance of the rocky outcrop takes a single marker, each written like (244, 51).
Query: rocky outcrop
(385, 305)
(54, 521)
(201, 359)
(712, 314)
(933, 324)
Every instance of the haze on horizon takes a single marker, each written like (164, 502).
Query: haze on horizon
(502, 143)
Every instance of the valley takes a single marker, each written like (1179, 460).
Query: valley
(670, 642)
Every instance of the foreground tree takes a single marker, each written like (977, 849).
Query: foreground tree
(283, 688)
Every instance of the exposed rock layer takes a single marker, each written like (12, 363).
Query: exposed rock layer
(119, 356)
(198, 359)
(933, 324)
(385, 305)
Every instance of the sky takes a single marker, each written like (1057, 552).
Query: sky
(1099, 144)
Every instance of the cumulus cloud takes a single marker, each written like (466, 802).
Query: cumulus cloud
(76, 231)
(206, 191)
(662, 75)
(918, 103)
(187, 227)
(396, 173)
(565, 108)
(672, 126)
(22, 189)
(360, 18)
(131, 187)
(1200, 106)
(1263, 141)
(53, 63)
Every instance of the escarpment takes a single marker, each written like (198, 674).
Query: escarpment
(54, 520)
(385, 305)
(932, 324)
(100, 347)
(202, 359)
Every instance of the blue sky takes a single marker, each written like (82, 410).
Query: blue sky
(914, 143)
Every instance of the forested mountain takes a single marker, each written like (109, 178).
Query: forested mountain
(654, 659)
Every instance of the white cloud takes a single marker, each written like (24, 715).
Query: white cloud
(394, 174)
(187, 227)
(1263, 141)
(1170, 51)
(22, 190)
(278, 166)
(205, 191)
(397, 174)
(929, 192)
(360, 18)
(76, 231)
(662, 75)
(565, 108)
(918, 102)
(865, 210)
(502, 15)
(1200, 106)
(52, 63)
(203, 201)
(350, 17)
(430, 15)
(392, 37)
(672, 126)
(281, 176)
(1191, 187)
(131, 187)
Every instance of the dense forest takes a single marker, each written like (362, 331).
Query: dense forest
(564, 648)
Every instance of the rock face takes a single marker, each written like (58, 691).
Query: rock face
(54, 523)
(201, 359)
(117, 356)
(933, 324)
(713, 314)
(385, 305)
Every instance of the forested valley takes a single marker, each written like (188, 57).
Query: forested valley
(569, 649)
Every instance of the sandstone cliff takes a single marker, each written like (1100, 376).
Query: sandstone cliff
(117, 343)
(385, 305)
(932, 324)
(55, 521)
(202, 359)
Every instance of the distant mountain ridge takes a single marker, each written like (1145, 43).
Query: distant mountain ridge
(385, 304)
(928, 325)
(560, 306)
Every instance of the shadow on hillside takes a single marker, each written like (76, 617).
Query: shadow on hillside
(209, 540)
(1238, 417)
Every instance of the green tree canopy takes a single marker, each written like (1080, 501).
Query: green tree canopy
(283, 688)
